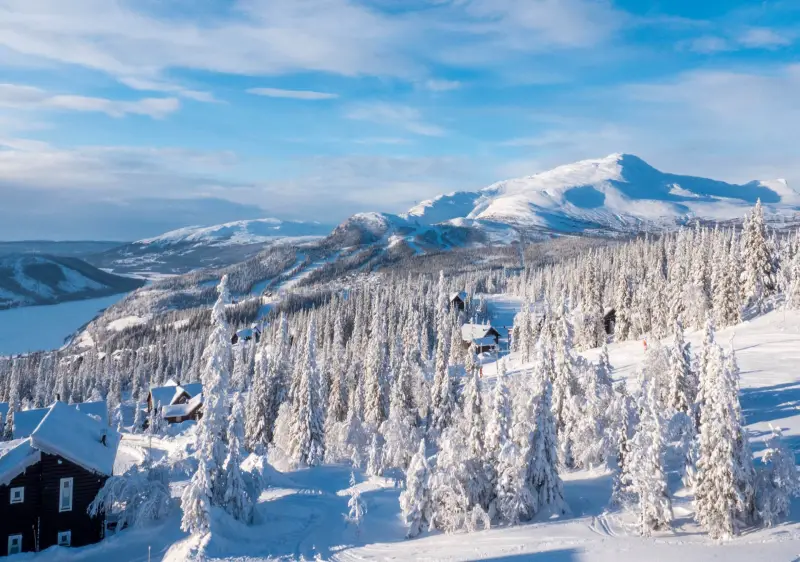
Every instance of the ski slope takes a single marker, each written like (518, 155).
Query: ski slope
(300, 516)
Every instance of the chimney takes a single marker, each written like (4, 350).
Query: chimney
(103, 439)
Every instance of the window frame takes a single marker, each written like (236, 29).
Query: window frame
(11, 492)
(10, 539)
(61, 488)
(64, 534)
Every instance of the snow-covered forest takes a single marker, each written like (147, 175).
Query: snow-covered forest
(373, 374)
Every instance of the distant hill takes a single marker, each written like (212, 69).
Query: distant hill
(36, 279)
(78, 248)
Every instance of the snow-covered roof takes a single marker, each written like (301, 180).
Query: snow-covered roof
(166, 395)
(3, 411)
(162, 394)
(483, 342)
(472, 332)
(25, 421)
(461, 295)
(66, 432)
(98, 409)
(182, 410)
(15, 457)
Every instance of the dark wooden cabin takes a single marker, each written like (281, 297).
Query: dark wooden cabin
(458, 300)
(483, 337)
(48, 480)
(179, 402)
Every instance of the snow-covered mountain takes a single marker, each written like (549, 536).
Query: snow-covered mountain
(620, 192)
(243, 232)
(29, 279)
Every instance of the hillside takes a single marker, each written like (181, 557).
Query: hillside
(33, 279)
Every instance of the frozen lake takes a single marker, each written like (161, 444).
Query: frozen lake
(34, 328)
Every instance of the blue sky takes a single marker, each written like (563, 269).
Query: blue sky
(123, 119)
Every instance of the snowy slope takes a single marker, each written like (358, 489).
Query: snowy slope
(300, 516)
(618, 192)
(240, 232)
(31, 279)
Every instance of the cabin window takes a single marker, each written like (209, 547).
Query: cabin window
(14, 544)
(17, 495)
(64, 538)
(65, 497)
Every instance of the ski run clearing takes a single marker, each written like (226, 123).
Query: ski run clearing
(301, 514)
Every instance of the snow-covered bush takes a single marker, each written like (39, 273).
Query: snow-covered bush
(778, 481)
(135, 498)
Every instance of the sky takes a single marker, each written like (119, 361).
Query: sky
(123, 119)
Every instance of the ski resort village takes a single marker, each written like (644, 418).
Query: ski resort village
(399, 280)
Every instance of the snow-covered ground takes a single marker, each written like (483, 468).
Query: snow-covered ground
(35, 328)
(301, 514)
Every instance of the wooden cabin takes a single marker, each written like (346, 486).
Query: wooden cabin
(483, 336)
(179, 402)
(48, 480)
(246, 334)
(458, 300)
(177, 413)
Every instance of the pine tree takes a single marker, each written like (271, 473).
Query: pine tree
(356, 505)
(723, 482)
(307, 430)
(207, 485)
(256, 433)
(415, 500)
(498, 430)
(682, 383)
(236, 500)
(759, 263)
(644, 472)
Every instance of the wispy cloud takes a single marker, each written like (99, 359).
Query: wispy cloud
(748, 38)
(29, 97)
(442, 85)
(398, 116)
(292, 94)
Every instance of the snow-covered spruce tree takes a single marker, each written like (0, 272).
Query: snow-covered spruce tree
(442, 404)
(624, 414)
(415, 500)
(461, 487)
(236, 500)
(375, 455)
(400, 432)
(590, 445)
(758, 276)
(256, 433)
(778, 481)
(723, 481)
(307, 446)
(357, 508)
(543, 478)
(498, 429)
(559, 353)
(138, 418)
(376, 374)
(682, 381)
(207, 486)
(645, 478)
